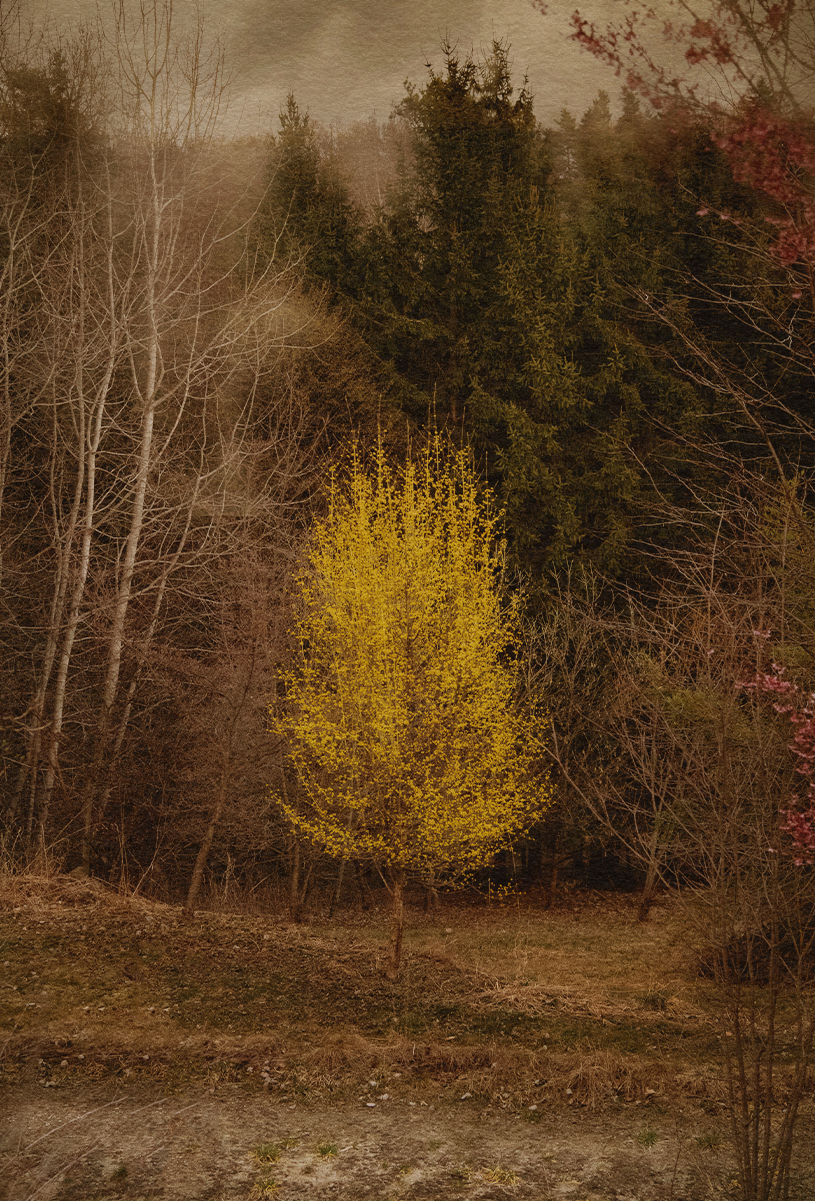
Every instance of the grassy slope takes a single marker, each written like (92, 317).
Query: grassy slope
(513, 1006)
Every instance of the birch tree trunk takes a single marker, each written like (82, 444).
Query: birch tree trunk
(135, 339)
(171, 95)
(90, 413)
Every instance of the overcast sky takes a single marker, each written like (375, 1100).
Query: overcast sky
(347, 59)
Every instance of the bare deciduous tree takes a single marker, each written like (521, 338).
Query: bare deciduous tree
(143, 366)
(697, 779)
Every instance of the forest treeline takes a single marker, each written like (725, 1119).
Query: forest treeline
(194, 330)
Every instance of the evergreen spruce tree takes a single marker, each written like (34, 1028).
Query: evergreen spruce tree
(307, 209)
(432, 296)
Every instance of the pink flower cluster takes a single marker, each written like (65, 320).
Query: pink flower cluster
(769, 154)
(712, 43)
(799, 819)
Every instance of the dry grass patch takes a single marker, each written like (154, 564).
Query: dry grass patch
(604, 1075)
(496, 1174)
(110, 985)
(597, 946)
(605, 952)
(509, 1077)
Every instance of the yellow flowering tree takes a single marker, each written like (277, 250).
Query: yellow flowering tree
(400, 713)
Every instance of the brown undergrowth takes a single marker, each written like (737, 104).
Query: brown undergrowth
(508, 1008)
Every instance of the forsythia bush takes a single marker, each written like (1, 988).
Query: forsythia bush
(401, 714)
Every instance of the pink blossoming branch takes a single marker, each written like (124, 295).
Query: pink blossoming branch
(769, 147)
(799, 708)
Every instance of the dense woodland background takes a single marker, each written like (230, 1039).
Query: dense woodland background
(194, 329)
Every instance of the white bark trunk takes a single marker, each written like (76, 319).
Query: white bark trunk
(90, 413)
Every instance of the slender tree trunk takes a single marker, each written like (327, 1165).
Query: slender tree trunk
(144, 648)
(335, 896)
(299, 883)
(90, 424)
(431, 895)
(553, 866)
(18, 349)
(79, 404)
(206, 846)
(362, 884)
(227, 737)
(116, 638)
(652, 869)
(74, 615)
(397, 924)
(294, 879)
(306, 886)
(297, 893)
(648, 890)
(19, 231)
(147, 393)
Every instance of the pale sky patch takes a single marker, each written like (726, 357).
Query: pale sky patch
(347, 59)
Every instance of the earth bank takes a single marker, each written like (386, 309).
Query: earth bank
(566, 1054)
(77, 1144)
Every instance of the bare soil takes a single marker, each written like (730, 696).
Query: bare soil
(87, 1143)
(240, 1056)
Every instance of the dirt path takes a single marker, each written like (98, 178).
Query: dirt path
(242, 1057)
(95, 1144)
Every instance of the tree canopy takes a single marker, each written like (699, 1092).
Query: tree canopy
(401, 711)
